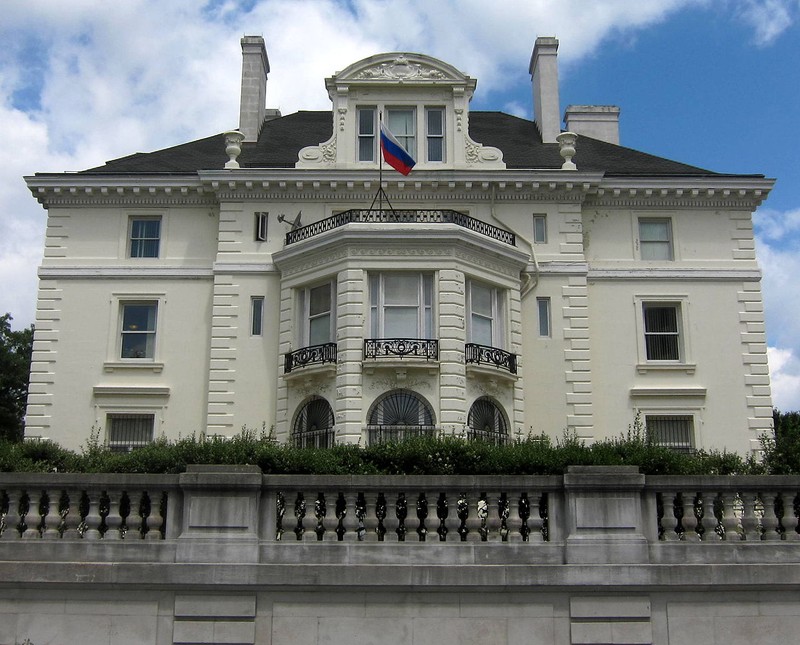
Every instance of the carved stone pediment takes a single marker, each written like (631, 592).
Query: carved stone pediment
(401, 68)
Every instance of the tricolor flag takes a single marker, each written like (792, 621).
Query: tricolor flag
(394, 154)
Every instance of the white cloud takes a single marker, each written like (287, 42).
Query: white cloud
(784, 367)
(768, 18)
(102, 80)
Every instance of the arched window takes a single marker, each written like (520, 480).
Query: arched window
(399, 414)
(313, 425)
(487, 422)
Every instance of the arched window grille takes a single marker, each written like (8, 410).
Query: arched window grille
(487, 422)
(313, 425)
(399, 414)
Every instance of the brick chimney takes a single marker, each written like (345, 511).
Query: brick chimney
(595, 121)
(544, 77)
(255, 67)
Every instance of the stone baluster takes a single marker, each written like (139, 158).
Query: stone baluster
(112, 519)
(422, 515)
(341, 516)
(26, 526)
(688, 517)
(50, 516)
(380, 516)
(5, 504)
(699, 508)
(772, 524)
(750, 521)
(124, 511)
(299, 514)
(524, 510)
(503, 513)
(442, 511)
(716, 517)
(361, 515)
(678, 512)
(65, 514)
(156, 521)
(733, 510)
(493, 516)
(320, 513)
(483, 517)
(401, 512)
(91, 520)
(462, 511)
(145, 508)
(280, 512)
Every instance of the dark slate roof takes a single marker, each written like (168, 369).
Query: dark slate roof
(281, 139)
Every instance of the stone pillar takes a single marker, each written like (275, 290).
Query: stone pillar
(604, 518)
(452, 336)
(221, 513)
(350, 307)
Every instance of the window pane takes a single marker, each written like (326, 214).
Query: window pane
(401, 125)
(127, 431)
(481, 331)
(257, 316)
(400, 289)
(655, 237)
(400, 322)
(539, 229)
(543, 305)
(481, 300)
(138, 331)
(662, 341)
(435, 134)
(366, 134)
(319, 330)
(145, 235)
(320, 299)
(674, 432)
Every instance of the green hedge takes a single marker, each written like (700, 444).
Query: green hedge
(421, 456)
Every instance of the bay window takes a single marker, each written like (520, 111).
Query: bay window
(316, 314)
(485, 315)
(401, 305)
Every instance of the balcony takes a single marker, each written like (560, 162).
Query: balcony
(485, 355)
(387, 216)
(312, 355)
(420, 348)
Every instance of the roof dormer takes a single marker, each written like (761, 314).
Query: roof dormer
(423, 101)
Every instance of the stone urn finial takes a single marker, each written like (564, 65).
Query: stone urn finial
(233, 147)
(566, 141)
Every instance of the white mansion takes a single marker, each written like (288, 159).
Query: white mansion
(516, 281)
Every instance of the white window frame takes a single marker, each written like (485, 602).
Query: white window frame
(261, 226)
(406, 139)
(681, 304)
(143, 240)
(257, 315)
(370, 138)
(424, 305)
(539, 229)
(119, 445)
(304, 305)
(544, 317)
(497, 315)
(672, 416)
(150, 354)
(666, 243)
(431, 137)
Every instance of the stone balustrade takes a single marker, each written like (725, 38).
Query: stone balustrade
(589, 515)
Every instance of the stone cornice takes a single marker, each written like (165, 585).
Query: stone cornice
(684, 274)
(125, 272)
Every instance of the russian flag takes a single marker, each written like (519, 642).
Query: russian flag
(394, 154)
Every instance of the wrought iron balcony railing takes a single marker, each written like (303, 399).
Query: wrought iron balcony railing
(388, 216)
(482, 354)
(427, 348)
(324, 438)
(312, 355)
(386, 434)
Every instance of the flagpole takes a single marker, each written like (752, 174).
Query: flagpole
(380, 166)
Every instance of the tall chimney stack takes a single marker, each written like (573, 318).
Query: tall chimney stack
(255, 68)
(544, 77)
(595, 121)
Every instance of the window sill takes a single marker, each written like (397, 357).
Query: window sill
(643, 368)
(151, 366)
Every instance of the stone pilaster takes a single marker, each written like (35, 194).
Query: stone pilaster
(350, 307)
(452, 336)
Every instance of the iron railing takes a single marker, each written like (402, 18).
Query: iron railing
(389, 216)
(312, 355)
(485, 355)
(323, 438)
(386, 434)
(427, 348)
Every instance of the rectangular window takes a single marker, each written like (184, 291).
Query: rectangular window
(662, 331)
(402, 124)
(261, 220)
(486, 315)
(257, 315)
(401, 305)
(671, 431)
(138, 333)
(434, 125)
(366, 134)
(655, 238)
(543, 310)
(144, 237)
(540, 229)
(316, 313)
(129, 431)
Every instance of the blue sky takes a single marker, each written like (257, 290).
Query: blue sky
(713, 83)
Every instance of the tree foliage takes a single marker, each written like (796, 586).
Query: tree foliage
(782, 451)
(15, 365)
